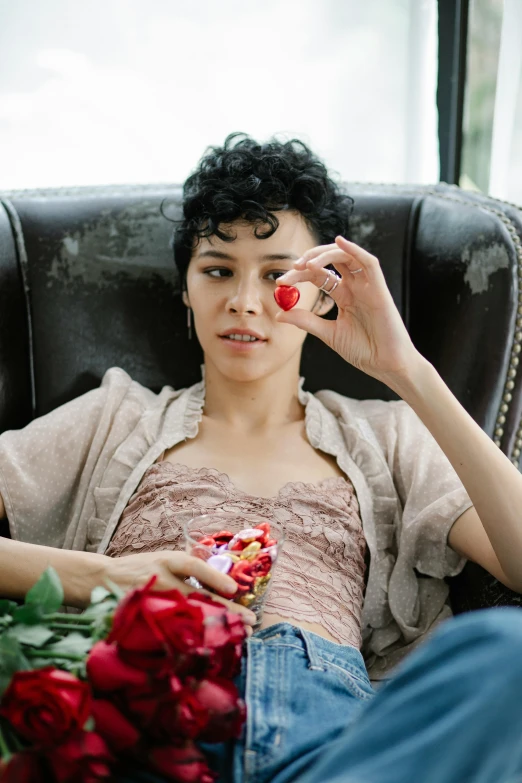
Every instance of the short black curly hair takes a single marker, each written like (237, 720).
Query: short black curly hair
(249, 181)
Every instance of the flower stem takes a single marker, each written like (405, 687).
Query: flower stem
(5, 753)
(34, 653)
(62, 617)
(68, 627)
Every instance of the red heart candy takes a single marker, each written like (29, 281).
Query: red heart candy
(286, 296)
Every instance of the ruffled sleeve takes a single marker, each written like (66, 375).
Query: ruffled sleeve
(46, 467)
(432, 496)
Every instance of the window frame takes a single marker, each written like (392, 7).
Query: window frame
(453, 26)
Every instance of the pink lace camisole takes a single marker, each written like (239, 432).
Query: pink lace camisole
(320, 572)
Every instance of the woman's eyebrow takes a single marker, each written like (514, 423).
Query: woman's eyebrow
(267, 257)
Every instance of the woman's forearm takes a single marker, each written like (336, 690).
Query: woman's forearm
(493, 483)
(22, 564)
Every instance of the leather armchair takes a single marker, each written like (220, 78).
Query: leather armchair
(87, 281)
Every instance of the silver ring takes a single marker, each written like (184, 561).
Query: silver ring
(329, 276)
(356, 270)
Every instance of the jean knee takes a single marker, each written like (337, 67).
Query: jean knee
(494, 621)
(498, 628)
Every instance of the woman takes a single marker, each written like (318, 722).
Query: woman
(415, 486)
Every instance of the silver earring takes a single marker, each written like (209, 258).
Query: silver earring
(189, 322)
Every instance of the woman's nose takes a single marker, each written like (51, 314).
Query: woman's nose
(246, 297)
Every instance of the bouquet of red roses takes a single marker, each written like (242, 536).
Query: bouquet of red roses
(133, 682)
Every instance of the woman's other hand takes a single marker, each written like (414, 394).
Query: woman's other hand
(171, 568)
(369, 332)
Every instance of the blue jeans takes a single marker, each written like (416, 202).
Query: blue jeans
(451, 712)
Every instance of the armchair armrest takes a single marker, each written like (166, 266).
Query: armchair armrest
(476, 588)
(4, 528)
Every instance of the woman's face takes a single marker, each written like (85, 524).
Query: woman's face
(231, 286)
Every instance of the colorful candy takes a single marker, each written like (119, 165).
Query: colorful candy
(246, 556)
(220, 563)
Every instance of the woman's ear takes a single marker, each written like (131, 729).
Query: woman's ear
(185, 298)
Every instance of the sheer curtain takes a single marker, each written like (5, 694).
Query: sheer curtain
(506, 153)
(118, 91)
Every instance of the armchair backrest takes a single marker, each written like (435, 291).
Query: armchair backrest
(87, 281)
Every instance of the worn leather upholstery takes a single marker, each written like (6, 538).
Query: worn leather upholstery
(87, 281)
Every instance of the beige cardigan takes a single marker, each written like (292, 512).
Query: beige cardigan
(67, 477)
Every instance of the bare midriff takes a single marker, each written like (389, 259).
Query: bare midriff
(271, 619)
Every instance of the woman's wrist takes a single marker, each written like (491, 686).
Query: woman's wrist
(82, 573)
(410, 382)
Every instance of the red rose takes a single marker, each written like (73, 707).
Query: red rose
(185, 765)
(166, 709)
(181, 624)
(191, 718)
(226, 711)
(117, 731)
(84, 758)
(142, 702)
(150, 625)
(107, 671)
(46, 705)
(224, 633)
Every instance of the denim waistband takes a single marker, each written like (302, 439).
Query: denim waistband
(317, 648)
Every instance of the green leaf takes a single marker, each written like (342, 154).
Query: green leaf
(115, 589)
(7, 606)
(74, 643)
(98, 594)
(5, 622)
(89, 724)
(33, 635)
(28, 614)
(102, 628)
(96, 611)
(12, 660)
(47, 592)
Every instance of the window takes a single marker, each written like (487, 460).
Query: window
(118, 91)
(492, 147)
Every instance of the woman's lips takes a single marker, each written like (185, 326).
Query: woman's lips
(242, 345)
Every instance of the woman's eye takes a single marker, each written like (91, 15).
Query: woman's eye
(212, 272)
(209, 272)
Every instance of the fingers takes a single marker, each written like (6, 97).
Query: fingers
(186, 565)
(343, 253)
(313, 253)
(247, 615)
(315, 273)
(361, 257)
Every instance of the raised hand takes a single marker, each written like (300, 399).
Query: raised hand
(369, 331)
